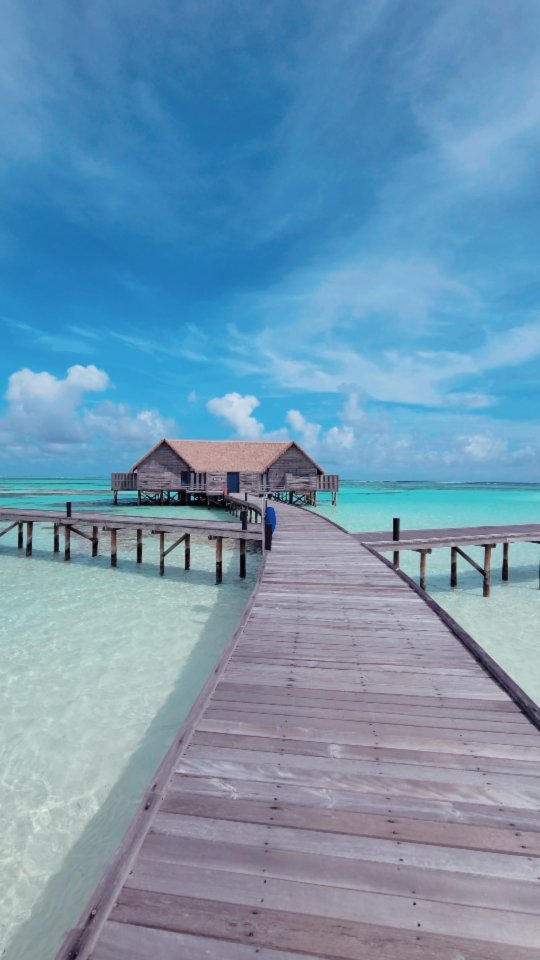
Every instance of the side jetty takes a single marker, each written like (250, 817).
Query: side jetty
(352, 783)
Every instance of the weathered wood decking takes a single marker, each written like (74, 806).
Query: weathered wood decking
(355, 786)
(452, 536)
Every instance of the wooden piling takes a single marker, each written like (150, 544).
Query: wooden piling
(95, 541)
(487, 570)
(67, 542)
(114, 551)
(423, 557)
(453, 567)
(20, 536)
(56, 538)
(243, 559)
(395, 536)
(505, 569)
(29, 533)
(161, 554)
(139, 545)
(187, 552)
(219, 559)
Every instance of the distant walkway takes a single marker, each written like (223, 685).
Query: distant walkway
(355, 786)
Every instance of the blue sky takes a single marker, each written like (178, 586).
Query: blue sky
(272, 219)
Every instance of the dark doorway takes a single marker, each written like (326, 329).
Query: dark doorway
(233, 482)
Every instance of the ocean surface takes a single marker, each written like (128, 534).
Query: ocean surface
(98, 667)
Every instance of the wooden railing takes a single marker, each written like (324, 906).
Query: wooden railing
(329, 481)
(123, 481)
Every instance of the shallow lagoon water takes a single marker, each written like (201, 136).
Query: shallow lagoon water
(98, 667)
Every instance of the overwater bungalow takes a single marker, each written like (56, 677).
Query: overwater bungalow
(180, 471)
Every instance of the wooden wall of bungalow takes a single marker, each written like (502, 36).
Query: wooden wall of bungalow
(164, 469)
(292, 463)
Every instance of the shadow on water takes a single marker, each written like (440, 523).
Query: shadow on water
(149, 568)
(67, 892)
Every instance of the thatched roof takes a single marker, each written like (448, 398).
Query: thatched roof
(250, 456)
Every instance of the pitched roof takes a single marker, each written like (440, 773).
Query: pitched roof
(228, 455)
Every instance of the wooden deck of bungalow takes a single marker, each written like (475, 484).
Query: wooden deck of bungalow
(352, 783)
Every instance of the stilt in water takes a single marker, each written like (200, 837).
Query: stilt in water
(453, 567)
(505, 569)
(29, 533)
(219, 559)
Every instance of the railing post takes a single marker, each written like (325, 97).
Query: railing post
(268, 536)
(395, 536)
(244, 519)
(242, 559)
(68, 508)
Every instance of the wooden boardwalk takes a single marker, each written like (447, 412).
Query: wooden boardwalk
(355, 786)
(451, 536)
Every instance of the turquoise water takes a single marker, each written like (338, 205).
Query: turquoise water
(98, 667)
(506, 624)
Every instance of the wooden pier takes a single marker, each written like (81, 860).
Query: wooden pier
(455, 539)
(352, 783)
(90, 526)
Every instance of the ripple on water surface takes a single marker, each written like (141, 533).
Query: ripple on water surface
(98, 667)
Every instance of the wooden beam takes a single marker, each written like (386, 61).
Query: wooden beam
(56, 538)
(20, 536)
(175, 544)
(7, 529)
(29, 533)
(139, 545)
(219, 559)
(470, 560)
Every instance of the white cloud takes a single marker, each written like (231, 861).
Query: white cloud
(46, 414)
(308, 433)
(117, 422)
(236, 410)
(44, 408)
